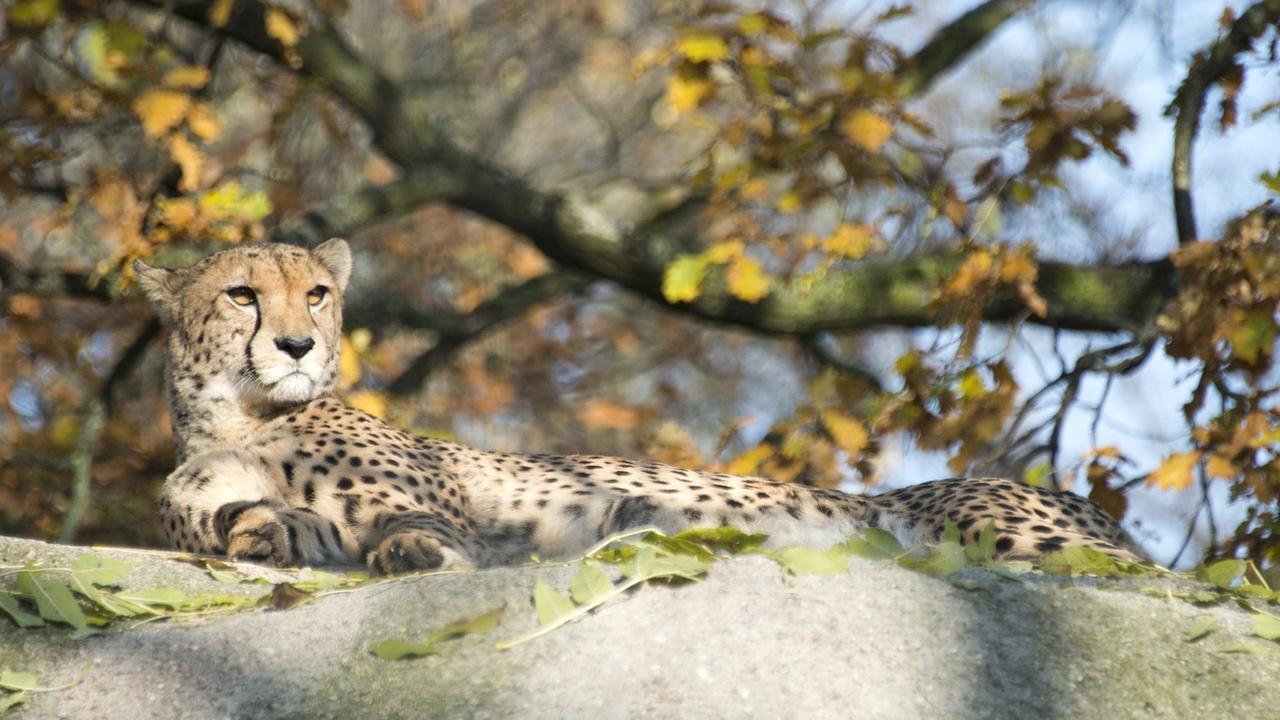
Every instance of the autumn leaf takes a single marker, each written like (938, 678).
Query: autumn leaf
(687, 91)
(852, 241)
(189, 160)
(1221, 468)
(374, 403)
(747, 280)
(866, 129)
(281, 27)
(1175, 473)
(682, 279)
(607, 415)
(220, 13)
(193, 77)
(748, 463)
(847, 431)
(161, 111)
(703, 47)
(202, 121)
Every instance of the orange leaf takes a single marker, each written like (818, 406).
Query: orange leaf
(1221, 468)
(1175, 473)
(202, 121)
(161, 111)
(866, 129)
(848, 432)
(603, 414)
(189, 159)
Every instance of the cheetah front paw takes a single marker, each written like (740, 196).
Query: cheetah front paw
(409, 550)
(254, 532)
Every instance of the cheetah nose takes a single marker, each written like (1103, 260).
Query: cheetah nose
(295, 347)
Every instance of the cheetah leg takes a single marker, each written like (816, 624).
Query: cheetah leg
(265, 532)
(228, 501)
(410, 541)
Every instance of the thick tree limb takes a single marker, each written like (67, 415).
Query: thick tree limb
(1208, 68)
(892, 292)
(953, 42)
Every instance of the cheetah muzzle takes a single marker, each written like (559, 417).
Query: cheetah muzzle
(273, 467)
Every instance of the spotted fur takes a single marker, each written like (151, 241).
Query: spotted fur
(273, 467)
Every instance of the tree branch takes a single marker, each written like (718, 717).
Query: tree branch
(1208, 68)
(953, 42)
(576, 235)
(507, 305)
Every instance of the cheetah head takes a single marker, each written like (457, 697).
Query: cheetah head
(260, 323)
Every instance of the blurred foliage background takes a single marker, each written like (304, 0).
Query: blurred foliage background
(841, 243)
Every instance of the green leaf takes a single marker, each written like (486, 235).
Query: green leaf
(1241, 647)
(551, 605)
(726, 539)
(682, 279)
(15, 680)
(11, 701)
(808, 561)
(950, 532)
(876, 544)
(1266, 626)
(1201, 628)
(99, 570)
(1272, 181)
(1223, 573)
(1079, 560)
(163, 597)
(395, 649)
(33, 13)
(985, 549)
(13, 609)
(53, 598)
(589, 584)
(947, 558)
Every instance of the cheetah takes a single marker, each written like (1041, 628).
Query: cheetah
(273, 467)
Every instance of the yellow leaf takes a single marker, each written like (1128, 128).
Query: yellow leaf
(752, 24)
(374, 403)
(682, 279)
(161, 111)
(703, 47)
(848, 432)
(1175, 473)
(723, 252)
(866, 129)
(189, 76)
(1221, 468)
(603, 414)
(748, 463)
(971, 386)
(202, 121)
(189, 159)
(685, 92)
(348, 364)
(220, 13)
(852, 241)
(747, 280)
(789, 202)
(176, 213)
(281, 27)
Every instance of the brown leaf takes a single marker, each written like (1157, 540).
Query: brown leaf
(604, 414)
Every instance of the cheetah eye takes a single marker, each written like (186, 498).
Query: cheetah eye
(242, 296)
(316, 295)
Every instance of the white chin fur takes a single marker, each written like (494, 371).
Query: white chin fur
(292, 388)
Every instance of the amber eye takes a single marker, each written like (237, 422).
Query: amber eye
(316, 295)
(242, 296)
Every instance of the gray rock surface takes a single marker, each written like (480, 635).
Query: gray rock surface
(749, 641)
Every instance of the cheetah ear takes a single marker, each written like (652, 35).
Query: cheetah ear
(335, 255)
(160, 285)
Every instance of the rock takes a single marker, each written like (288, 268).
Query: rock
(749, 641)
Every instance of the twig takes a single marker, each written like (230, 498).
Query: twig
(1207, 69)
(505, 306)
(823, 347)
(92, 420)
(953, 42)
